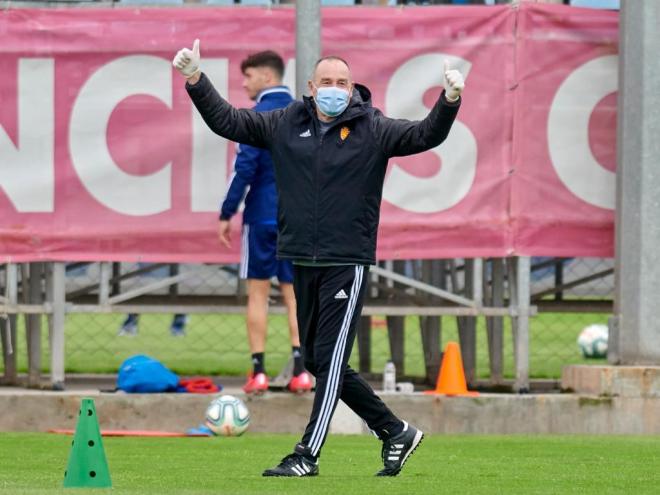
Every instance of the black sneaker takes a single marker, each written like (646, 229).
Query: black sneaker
(294, 465)
(396, 450)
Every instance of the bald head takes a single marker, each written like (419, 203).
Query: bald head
(330, 72)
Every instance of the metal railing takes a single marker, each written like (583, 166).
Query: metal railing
(487, 304)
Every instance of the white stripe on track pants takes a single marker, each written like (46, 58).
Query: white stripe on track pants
(329, 302)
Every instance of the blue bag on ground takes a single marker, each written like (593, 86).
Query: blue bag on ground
(143, 374)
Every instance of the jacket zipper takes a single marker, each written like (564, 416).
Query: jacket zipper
(317, 162)
(316, 192)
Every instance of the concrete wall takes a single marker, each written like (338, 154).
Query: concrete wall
(22, 410)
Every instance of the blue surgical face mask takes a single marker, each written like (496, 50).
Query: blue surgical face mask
(332, 101)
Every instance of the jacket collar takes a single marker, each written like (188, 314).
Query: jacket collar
(273, 90)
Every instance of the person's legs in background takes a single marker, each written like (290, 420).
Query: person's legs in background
(258, 265)
(130, 325)
(178, 326)
(129, 328)
(257, 324)
(301, 381)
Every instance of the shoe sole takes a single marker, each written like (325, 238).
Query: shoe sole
(274, 475)
(419, 436)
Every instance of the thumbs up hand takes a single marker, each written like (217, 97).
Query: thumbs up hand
(453, 82)
(186, 61)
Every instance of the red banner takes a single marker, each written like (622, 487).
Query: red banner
(102, 156)
(564, 132)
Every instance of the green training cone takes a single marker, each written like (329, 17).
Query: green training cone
(87, 465)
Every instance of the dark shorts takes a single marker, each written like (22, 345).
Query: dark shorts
(258, 254)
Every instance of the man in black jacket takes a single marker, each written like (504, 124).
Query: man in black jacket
(330, 153)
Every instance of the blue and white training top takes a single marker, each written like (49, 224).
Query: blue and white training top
(253, 168)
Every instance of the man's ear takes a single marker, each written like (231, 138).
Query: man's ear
(310, 87)
(267, 76)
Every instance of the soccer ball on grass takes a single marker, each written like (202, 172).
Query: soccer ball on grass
(227, 416)
(592, 341)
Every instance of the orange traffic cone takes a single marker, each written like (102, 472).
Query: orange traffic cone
(451, 380)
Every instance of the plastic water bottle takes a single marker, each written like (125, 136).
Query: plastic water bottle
(389, 377)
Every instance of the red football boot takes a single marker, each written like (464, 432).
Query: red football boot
(301, 383)
(256, 384)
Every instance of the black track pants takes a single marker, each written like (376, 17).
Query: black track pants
(329, 302)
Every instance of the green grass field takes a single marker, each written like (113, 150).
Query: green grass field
(35, 463)
(216, 344)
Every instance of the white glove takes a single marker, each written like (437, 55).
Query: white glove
(453, 82)
(186, 61)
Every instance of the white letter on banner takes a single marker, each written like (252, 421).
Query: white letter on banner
(209, 158)
(458, 153)
(27, 170)
(568, 131)
(209, 151)
(289, 79)
(106, 88)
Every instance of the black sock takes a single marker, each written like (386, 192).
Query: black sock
(298, 366)
(258, 363)
(391, 431)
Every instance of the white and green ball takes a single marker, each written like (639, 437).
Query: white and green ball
(592, 341)
(227, 416)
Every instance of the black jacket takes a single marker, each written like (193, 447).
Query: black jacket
(329, 187)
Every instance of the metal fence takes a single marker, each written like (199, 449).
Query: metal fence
(412, 310)
(483, 303)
